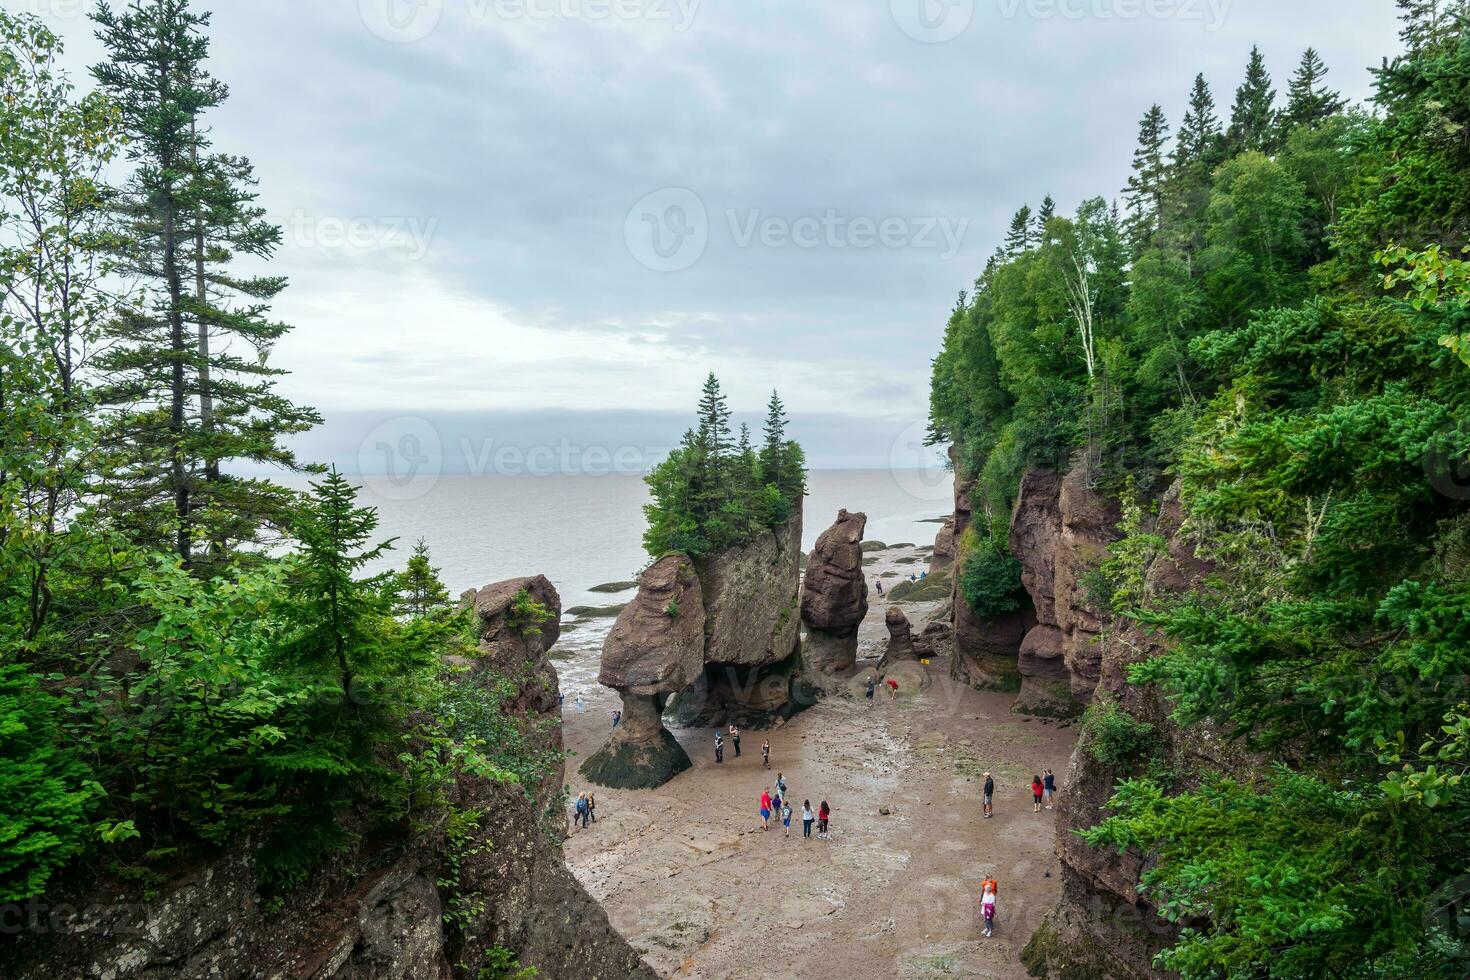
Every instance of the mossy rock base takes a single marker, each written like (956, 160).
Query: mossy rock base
(637, 765)
(1042, 698)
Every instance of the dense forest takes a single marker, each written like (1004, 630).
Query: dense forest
(188, 659)
(1277, 320)
(717, 489)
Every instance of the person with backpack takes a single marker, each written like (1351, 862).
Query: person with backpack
(719, 748)
(786, 816)
(987, 904)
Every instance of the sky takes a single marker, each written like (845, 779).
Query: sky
(520, 233)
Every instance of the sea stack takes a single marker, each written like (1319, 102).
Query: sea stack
(654, 651)
(834, 599)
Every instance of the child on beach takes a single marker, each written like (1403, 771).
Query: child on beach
(987, 905)
(823, 815)
(786, 817)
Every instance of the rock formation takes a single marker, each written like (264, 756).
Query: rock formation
(1046, 687)
(834, 599)
(377, 911)
(946, 547)
(654, 651)
(752, 632)
(900, 638)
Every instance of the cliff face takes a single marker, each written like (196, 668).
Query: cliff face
(377, 912)
(1102, 927)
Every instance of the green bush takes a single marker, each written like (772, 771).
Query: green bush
(47, 794)
(1115, 737)
(990, 577)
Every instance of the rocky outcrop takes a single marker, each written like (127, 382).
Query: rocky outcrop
(946, 547)
(752, 633)
(1089, 524)
(1036, 524)
(900, 638)
(1103, 926)
(834, 599)
(654, 651)
(377, 911)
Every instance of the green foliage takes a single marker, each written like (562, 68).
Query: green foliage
(526, 616)
(47, 793)
(1116, 738)
(990, 576)
(419, 589)
(712, 493)
(502, 964)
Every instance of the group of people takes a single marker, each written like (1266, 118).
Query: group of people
(734, 734)
(1043, 793)
(872, 685)
(778, 805)
(583, 810)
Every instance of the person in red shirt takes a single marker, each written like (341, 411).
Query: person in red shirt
(766, 809)
(1036, 789)
(824, 813)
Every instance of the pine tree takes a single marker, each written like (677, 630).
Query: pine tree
(419, 589)
(774, 443)
(1047, 212)
(1145, 193)
(180, 408)
(1310, 101)
(1018, 239)
(1198, 145)
(1253, 117)
(1430, 23)
(714, 419)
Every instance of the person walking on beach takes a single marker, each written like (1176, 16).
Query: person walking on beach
(987, 905)
(719, 748)
(878, 585)
(617, 717)
(592, 806)
(806, 819)
(823, 815)
(781, 784)
(872, 686)
(766, 808)
(581, 812)
(766, 753)
(989, 796)
(786, 817)
(1036, 791)
(581, 705)
(735, 740)
(1049, 788)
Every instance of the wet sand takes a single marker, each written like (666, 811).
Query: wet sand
(689, 877)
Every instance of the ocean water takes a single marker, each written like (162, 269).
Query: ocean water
(583, 531)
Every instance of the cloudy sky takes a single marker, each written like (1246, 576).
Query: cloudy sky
(542, 222)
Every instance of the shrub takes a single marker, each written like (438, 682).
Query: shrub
(1115, 736)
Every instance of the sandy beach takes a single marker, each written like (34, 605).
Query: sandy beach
(689, 877)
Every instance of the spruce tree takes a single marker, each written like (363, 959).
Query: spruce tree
(1145, 192)
(190, 389)
(714, 419)
(1018, 238)
(1253, 117)
(774, 443)
(420, 592)
(1047, 212)
(1310, 101)
(1429, 23)
(1200, 135)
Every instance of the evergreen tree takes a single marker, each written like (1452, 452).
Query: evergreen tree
(1198, 150)
(1018, 238)
(714, 419)
(1310, 102)
(180, 407)
(1429, 23)
(420, 591)
(1047, 212)
(773, 446)
(1198, 147)
(1145, 193)
(1253, 117)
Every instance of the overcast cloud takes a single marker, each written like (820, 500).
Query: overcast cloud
(577, 208)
